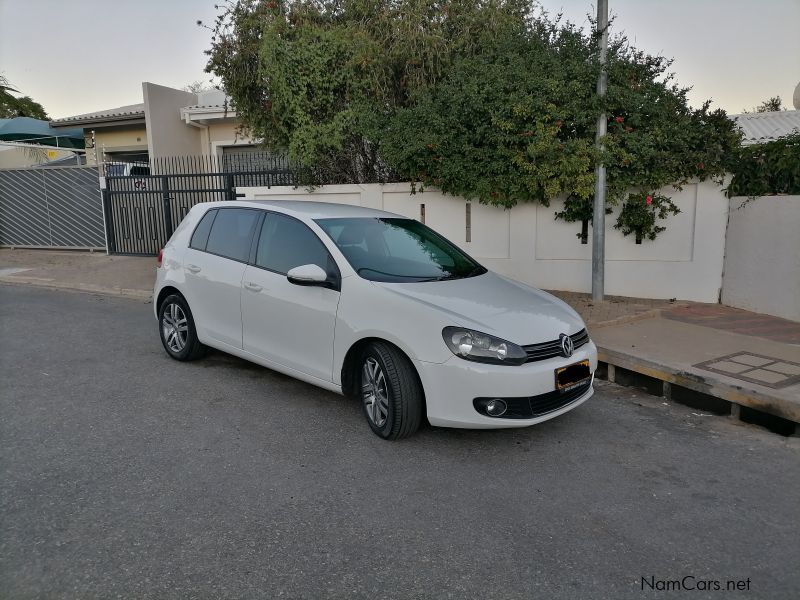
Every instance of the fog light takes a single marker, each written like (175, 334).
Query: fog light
(496, 408)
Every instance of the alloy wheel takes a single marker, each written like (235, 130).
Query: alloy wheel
(174, 327)
(374, 392)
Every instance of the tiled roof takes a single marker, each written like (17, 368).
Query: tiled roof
(767, 126)
(111, 114)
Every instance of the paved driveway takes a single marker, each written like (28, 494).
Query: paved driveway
(125, 474)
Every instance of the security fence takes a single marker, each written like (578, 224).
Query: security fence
(55, 207)
(145, 201)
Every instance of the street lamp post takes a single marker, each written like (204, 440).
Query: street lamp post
(599, 216)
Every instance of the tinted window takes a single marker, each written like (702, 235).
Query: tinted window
(200, 235)
(398, 250)
(232, 233)
(287, 243)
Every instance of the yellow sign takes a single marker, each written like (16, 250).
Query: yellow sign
(51, 154)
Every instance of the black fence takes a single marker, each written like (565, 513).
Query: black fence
(144, 201)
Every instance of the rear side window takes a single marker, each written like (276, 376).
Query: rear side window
(232, 233)
(200, 235)
(286, 243)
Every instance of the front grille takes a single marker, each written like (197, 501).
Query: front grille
(552, 349)
(530, 407)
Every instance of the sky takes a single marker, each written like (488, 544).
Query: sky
(78, 56)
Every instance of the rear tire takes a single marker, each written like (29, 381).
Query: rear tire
(177, 330)
(390, 391)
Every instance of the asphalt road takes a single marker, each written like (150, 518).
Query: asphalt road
(124, 474)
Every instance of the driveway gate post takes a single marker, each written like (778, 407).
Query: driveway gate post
(167, 206)
(111, 244)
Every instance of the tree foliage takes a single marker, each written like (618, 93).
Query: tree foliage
(198, 87)
(766, 169)
(484, 99)
(12, 106)
(773, 104)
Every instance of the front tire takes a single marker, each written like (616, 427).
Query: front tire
(390, 392)
(177, 330)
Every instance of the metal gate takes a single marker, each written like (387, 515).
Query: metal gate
(145, 202)
(51, 207)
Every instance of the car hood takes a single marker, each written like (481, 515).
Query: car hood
(494, 304)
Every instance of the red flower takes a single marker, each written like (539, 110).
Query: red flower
(649, 200)
(701, 166)
(619, 119)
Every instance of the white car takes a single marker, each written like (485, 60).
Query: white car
(371, 305)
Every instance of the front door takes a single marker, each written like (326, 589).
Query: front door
(289, 324)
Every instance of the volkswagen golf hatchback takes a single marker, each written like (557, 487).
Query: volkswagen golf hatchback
(372, 305)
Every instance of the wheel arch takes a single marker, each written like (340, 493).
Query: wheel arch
(165, 291)
(350, 366)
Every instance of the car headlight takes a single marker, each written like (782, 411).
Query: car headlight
(482, 347)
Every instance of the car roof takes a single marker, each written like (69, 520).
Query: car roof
(312, 210)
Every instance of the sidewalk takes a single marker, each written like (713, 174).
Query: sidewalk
(712, 357)
(126, 276)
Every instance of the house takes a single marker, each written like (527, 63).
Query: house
(121, 130)
(168, 123)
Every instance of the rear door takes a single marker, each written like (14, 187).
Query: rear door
(290, 324)
(214, 265)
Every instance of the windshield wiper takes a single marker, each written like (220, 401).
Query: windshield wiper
(479, 270)
(417, 277)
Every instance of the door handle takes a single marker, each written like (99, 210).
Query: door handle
(253, 287)
(193, 268)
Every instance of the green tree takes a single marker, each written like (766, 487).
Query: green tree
(322, 79)
(773, 104)
(482, 98)
(12, 106)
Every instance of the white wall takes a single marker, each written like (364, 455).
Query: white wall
(762, 256)
(167, 134)
(526, 243)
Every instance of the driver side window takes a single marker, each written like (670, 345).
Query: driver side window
(286, 243)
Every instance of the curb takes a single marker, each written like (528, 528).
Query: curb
(648, 314)
(695, 390)
(81, 287)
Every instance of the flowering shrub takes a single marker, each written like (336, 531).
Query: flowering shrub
(640, 212)
(484, 100)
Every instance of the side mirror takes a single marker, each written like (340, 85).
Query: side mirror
(307, 275)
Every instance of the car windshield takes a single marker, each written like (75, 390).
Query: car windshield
(398, 250)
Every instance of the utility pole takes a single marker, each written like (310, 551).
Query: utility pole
(599, 216)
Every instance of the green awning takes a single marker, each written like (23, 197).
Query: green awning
(34, 131)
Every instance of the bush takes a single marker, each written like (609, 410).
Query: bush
(480, 98)
(766, 169)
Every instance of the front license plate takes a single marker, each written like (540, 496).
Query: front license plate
(572, 375)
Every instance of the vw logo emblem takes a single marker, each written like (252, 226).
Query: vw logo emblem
(567, 347)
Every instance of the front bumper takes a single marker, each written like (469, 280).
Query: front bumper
(451, 387)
